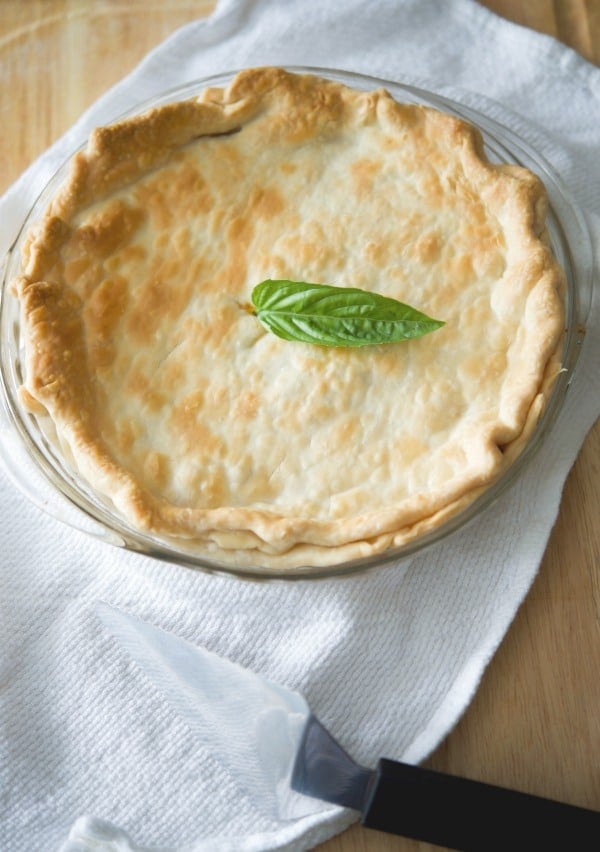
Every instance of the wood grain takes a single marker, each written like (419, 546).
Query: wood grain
(534, 723)
(58, 56)
(574, 22)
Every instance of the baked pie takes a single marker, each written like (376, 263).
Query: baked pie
(197, 424)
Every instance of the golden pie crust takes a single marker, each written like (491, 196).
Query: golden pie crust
(173, 402)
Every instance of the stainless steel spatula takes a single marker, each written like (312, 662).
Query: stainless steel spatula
(268, 738)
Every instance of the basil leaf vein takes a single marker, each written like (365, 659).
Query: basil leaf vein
(326, 315)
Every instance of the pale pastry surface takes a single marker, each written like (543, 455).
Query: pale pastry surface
(178, 406)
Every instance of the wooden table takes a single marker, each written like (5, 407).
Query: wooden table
(535, 721)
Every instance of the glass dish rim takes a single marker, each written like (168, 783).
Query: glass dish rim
(117, 531)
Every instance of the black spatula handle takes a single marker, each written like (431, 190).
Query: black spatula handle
(469, 815)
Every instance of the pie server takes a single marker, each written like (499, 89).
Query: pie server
(269, 740)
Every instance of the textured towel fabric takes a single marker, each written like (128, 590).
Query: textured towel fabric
(89, 749)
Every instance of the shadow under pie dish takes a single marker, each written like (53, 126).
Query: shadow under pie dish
(156, 401)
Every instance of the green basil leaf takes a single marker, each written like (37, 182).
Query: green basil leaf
(336, 316)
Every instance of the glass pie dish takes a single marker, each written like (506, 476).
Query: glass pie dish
(43, 468)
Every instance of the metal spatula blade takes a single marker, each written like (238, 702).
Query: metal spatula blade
(268, 738)
(252, 725)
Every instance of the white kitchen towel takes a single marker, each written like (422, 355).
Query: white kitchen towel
(89, 750)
